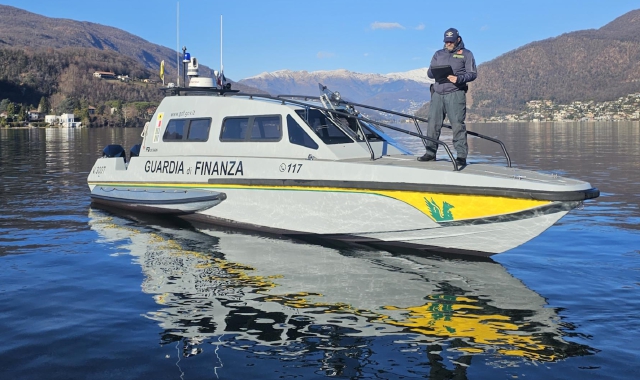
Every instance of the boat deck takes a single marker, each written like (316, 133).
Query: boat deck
(484, 170)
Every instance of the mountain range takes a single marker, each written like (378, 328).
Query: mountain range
(23, 29)
(403, 92)
(596, 64)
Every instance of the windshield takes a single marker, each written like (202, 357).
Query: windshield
(325, 128)
(352, 124)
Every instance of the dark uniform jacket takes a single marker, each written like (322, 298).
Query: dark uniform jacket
(463, 64)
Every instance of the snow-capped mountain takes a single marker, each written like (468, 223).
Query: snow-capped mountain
(418, 75)
(403, 92)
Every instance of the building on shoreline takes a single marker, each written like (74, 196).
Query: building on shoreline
(66, 120)
(626, 108)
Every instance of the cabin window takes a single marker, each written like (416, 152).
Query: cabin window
(199, 130)
(266, 128)
(234, 129)
(298, 136)
(174, 131)
(252, 128)
(187, 130)
(325, 128)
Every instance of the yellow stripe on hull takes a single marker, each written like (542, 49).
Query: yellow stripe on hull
(452, 207)
(439, 207)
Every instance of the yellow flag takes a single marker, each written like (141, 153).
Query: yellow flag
(162, 70)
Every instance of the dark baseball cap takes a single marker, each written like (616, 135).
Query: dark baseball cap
(451, 35)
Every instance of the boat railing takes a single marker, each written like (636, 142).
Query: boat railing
(358, 119)
(398, 129)
(415, 120)
(284, 99)
(326, 102)
(290, 98)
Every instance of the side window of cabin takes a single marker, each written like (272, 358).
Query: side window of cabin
(187, 130)
(325, 128)
(174, 131)
(298, 136)
(266, 128)
(253, 128)
(199, 130)
(234, 129)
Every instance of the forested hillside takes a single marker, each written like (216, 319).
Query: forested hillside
(25, 29)
(598, 65)
(22, 29)
(26, 75)
(63, 79)
(53, 60)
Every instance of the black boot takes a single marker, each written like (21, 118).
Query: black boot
(427, 157)
(461, 162)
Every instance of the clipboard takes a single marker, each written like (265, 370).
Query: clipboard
(440, 73)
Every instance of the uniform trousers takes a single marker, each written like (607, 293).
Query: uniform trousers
(454, 105)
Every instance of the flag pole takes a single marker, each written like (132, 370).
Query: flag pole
(162, 71)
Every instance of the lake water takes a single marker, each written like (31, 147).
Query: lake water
(88, 294)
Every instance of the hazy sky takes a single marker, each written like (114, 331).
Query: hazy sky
(367, 36)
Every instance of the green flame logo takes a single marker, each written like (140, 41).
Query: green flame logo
(439, 215)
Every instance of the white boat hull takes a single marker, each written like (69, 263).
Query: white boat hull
(366, 218)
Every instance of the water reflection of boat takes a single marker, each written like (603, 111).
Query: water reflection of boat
(269, 294)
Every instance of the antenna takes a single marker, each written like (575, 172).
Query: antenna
(178, 42)
(221, 66)
(221, 80)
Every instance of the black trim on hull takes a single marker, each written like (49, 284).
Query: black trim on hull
(563, 196)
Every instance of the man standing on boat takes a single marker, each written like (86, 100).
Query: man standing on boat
(448, 96)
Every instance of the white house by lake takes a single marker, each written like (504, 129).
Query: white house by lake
(66, 120)
(34, 115)
(52, 119)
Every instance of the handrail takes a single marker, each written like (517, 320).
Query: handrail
(360, 117)
(419, 131)
(366, 140)
(415, 120)
(424, 139)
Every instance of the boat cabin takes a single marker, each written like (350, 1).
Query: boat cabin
(253, 126)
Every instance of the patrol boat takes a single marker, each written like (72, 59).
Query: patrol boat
(317, 166)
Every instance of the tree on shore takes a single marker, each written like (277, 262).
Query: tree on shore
(3, 104)
(44, 105)
(22, 112)
(11, 110)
